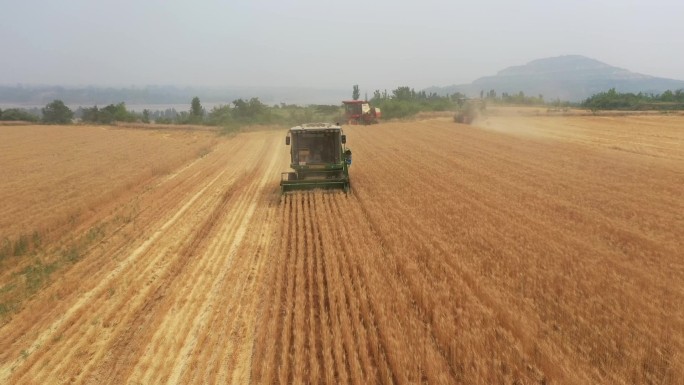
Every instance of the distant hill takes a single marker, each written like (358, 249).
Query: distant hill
(570, 78)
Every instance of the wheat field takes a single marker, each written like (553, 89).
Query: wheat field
(521, 249)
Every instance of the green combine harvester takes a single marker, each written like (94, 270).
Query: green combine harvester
(319, 158)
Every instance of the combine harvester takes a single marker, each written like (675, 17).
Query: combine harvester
(360, 112)
(319, 158)
(469, 110)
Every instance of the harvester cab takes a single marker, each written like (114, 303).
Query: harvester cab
(319, 157)
(360, 112)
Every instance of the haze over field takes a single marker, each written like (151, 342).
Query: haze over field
(378, 45)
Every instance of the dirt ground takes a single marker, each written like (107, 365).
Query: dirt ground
(521, 249)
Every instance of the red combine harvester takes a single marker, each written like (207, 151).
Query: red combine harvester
(360, 112)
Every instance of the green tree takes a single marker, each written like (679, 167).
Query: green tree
(91, 115)
(196, 110)
(404, 93)
(117, 113)
(355, 92)
(252, 110)
(56, 112)
(146, 116)
(109, 114)
(667, 96)
(220, 116)
(679, 95)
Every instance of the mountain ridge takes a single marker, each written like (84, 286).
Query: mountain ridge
(568, 77)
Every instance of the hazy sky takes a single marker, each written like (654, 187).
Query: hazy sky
(325, 44)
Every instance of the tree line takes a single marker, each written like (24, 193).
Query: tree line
(239, 113)
(514, 98)
(405, 101)
(401, 102)
(55, 112)
(20, 114)
(613, 100)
